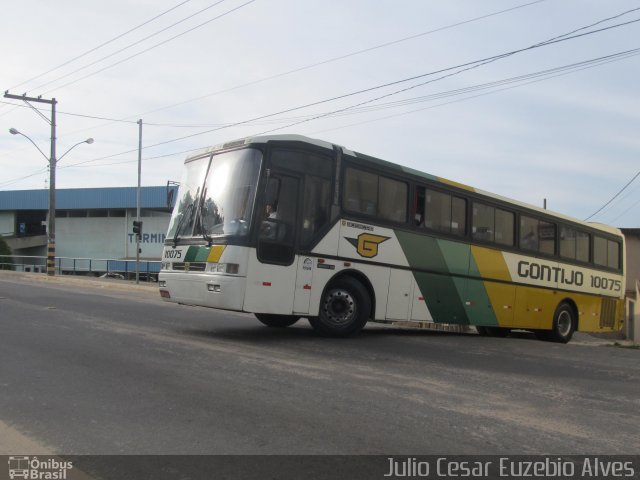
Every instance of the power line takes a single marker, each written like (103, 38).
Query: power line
(430, 97)
(16, 180)
(625, 211)
(573, 67)
(614, 197)
(550, 73)
(369, 49)
(341, 57)
(557, 72)
(324, 62)
(152, 47)
(460, 69)
(127, 47)
(99, 46)
(469, 65)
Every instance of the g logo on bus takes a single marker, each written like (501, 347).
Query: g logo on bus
(367, 244)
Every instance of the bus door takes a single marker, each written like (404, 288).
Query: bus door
(400, 299)
(275, 270)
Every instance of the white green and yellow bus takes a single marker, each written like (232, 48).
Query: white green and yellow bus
(287, 227)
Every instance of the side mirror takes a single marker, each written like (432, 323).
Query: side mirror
(171, 192)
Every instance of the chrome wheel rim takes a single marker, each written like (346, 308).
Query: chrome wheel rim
(339, 307)
(565, 323)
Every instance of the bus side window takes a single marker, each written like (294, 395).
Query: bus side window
(419, 206)
(537, 235)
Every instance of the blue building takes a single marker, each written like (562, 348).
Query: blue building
(94, 223)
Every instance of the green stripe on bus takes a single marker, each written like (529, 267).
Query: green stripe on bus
(197, 254)
(191, 254)
(422, 252)
(202, 254)
(442, 293)
(456, 256)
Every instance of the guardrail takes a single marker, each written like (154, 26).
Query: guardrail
(125, 269)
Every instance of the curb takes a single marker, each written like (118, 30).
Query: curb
(80, 280)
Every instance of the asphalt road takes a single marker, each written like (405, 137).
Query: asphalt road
(90, 367)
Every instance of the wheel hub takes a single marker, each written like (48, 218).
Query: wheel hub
(339, 307)
(564, 323)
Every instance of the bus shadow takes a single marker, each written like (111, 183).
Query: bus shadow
(303, 333)
(251, 335)
(259, 334)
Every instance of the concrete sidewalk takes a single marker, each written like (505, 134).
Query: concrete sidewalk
(96, 282)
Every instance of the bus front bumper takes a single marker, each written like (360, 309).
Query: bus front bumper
(216, 291)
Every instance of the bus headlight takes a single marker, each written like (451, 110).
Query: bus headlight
(233, 268)
(230, 268)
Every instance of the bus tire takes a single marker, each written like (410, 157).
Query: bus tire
(498, 332)
(482, 331)
(277, 321)
(345, 308)
(564, 324)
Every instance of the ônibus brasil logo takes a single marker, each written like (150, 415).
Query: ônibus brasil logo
(367, 244)
(35, 469)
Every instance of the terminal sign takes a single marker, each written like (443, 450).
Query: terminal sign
(148, 238)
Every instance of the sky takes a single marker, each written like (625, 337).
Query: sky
(201, 72)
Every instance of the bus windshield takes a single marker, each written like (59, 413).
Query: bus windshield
(221, 203)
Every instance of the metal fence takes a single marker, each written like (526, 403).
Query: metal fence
(126, 269)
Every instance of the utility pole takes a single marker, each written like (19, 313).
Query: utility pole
(138, 200)
(51, 225)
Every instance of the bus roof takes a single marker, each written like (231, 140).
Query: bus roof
(410, 171)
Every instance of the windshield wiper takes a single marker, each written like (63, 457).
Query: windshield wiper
(200, 218)
(187, 212)
(205, 235)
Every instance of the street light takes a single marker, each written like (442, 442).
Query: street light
(88, 140)
(51, 225)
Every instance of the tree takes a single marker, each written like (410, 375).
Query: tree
(6, 262)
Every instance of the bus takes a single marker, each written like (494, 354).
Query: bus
(288, 227)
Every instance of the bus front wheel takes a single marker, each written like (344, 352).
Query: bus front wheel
(345, 308)
(277, 321)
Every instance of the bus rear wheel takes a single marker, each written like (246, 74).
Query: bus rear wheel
(564, 324)
(277, 321)
(345, 308)
(492, 331)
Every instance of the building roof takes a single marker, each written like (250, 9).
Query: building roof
(84, 198)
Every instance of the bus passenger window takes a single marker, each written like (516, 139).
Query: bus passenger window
(392, 200)
(582, 246)
(438, 211)
(505, 223)
(361, 191)
(483, 226)
(606, 253)
(537, 236)
(574, 244)
(613, 254)
(458, 216)
(547, 234)
(600, 251)
(442, 211)
(375, 195)
(419, 206)
(568, 242)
